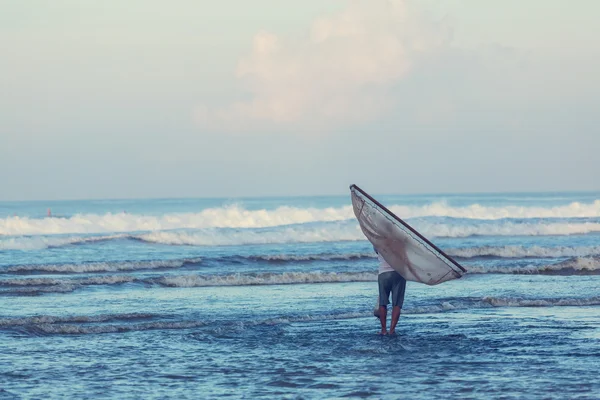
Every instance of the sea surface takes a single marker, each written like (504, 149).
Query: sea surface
(273, 297)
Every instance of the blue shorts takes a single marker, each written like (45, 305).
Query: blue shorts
(391, 282)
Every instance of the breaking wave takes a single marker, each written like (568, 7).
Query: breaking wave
(238, 217)
(574, 266)
(491, 301)
(264, 279)
(224, 217)
(524, 252)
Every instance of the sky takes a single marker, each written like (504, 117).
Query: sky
(195, 98)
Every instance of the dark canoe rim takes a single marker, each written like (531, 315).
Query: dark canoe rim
(378, 204)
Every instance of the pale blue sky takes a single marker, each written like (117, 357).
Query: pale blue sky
(113, 99)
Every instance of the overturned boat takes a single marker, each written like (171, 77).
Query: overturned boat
(407, 251)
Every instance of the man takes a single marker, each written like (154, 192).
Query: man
(389, 281)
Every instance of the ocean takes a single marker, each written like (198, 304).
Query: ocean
(273, 298)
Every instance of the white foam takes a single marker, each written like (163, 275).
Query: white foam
(238, 217)
(296, 234)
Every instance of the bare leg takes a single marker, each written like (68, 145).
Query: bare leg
(376, 310)
(383, 319)
(395, 318)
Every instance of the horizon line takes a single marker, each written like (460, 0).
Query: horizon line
(271, 196)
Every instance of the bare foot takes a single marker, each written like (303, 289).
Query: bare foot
(383, 333)
(392, 332)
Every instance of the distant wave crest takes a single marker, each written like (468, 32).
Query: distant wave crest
(239, 217)
(332, 232)
(99, 266)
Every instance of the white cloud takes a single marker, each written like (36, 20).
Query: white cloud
(341, 72)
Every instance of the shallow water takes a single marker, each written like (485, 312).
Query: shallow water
(273, 298)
